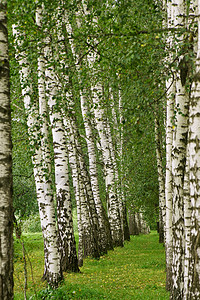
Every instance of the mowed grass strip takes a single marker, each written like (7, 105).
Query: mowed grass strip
(136, 271)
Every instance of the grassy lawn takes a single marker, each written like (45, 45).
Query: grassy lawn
(136, 271)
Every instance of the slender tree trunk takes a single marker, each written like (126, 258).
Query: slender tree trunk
(79, 192)
(52, 272)
(133, 226)
(88, 218)
(178, 170)
(105, 238)
(122, 169)
(6, 206)
(138, 221)
(144, 226)
(168, 184)
(95, 246)
(161, 181)
(171, 88)
(194, 168)
(67, 245)
(105, 234)
(112, 201)
(168, 195)
(125, 222)
(114, 153)
(187, 226)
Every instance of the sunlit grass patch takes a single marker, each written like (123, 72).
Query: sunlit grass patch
(136, 271)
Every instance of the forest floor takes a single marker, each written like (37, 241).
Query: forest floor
(136, 271)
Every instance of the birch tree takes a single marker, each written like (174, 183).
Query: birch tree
(105, 239)
(161, 179)
(179, 194)
(170, 86)
(122, 168)
(168, 182)
(116, 151)
(53, 87)
(187, 229)
(52, 272)
(112, 201)
(87, 220)
(175, 247)
(6, 206)
(194, 167)
(106, 147)
(77, 185)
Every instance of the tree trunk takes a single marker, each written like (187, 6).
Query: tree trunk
(168, 183)
(187, 225)
(104, 227)
(122, 169)
(6, 206)
(67, 245)
(105, 238)
(133, 226)
(161, 181)
(79, 192)
(178, 170)
(171, 88)
(52, 272)
(194, 168)
(112, 200)
(88, 218)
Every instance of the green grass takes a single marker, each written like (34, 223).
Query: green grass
(136, 271)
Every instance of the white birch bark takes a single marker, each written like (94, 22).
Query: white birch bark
(138, 221)
(63, 198)
(179, 165)
(52, 271)
(95, 246)
(122, 168)
(170, 86)
(178, 171)
(112, 201)
(194, 168)
(6, 206)
(168, 182)
(194, 156)
(67, 245)
(187, 231)
(117, 156)
(104, 228)
(188, 216)
(45, 155)
(145, 229)
(161, 181)
(86, 215)
(77, 187)
(116, 173)
(97, 94)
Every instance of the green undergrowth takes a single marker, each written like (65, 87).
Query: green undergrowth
(136, 271)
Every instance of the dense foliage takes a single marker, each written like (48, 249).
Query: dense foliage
(128, 38)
